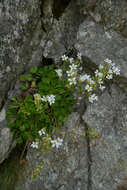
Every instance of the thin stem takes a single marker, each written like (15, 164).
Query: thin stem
(22, 154)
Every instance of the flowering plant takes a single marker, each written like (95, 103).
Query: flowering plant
(41, 108)
(47, 99)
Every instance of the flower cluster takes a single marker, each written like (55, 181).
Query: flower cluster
(113, 69)
(34, 144)
(82, 78)
(57, 142)
(41, 132)
(54, 143)
(104, 72)
(73, 68)
(93, 98)
(79, 56)
(50, 99)
(64, 58)
(37, 100)
(72, 73)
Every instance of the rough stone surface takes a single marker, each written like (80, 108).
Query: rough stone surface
(32, 29)
(19, 36)
(97, 44)
(65, 168)
(108, 118)
(6, 142)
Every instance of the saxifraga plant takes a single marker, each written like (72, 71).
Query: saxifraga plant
(47, 99)
(41, 107)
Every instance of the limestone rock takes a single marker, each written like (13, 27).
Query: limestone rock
(108, 118)
(63, 168)
(31, 30)
(20, 32)
(6, 142)
(97, 44)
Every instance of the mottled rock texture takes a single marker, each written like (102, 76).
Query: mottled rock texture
(65, 168)
(31, 30)
(6, 143)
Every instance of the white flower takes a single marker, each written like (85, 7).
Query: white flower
(64, 57)
(44, 99)
(100, 81)
(88, 88)
(109, 76)
(93, 98)
(110, 71)
(116, 70)
(79, 56)
(51, 99)
(85, 77)
(102, 87)
(59, 72)
(108, 61)
(101, 66)
(82, 78)
(34, 145)
(41, 132)
(91, 81)
(73, 67)
(113, 64)
(71, 60)
(70, 73)
(56, 143)
(72, 81)
(98, 74)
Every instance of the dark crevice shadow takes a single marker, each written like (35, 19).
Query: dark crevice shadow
(58, 7)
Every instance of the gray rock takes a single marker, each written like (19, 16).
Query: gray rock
(62, 35)
(97, 44)
(65, 168)
(6, 141)
(108, 118)
(19, 22)
(29, 31)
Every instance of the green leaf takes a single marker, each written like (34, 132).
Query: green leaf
(24, 87)
(22, 128)
(19, 140)
(13, 98)
(27, 77)
(22, 78)
(33, 69)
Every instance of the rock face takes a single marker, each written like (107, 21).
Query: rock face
(98, 29)
(18, 41)
(97, 44)
(108, 117)
(20, 31)
(6, 142)
(65, 168)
